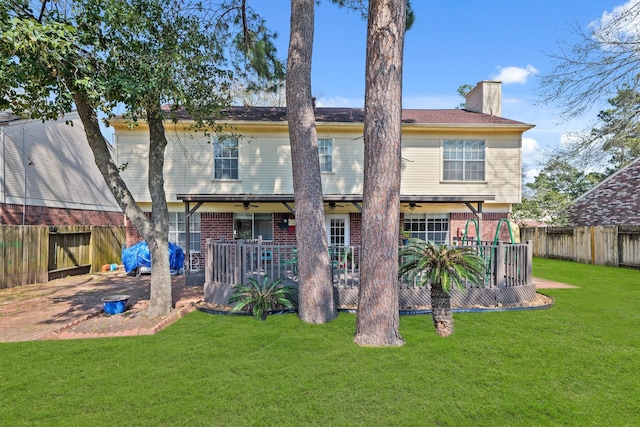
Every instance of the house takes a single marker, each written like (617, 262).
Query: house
(459, 167)
(48, 175)
(614, 201)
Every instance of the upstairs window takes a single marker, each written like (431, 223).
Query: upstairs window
(325, 153)
(225, 158)
(463, 160)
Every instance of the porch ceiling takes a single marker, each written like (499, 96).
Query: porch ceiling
(256, 198)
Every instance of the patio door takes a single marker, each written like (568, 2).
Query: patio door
(337, 230)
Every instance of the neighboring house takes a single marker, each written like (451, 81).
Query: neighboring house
(614, 201)
(48, 175)
(457, 165)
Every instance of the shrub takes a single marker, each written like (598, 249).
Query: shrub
(261, 297)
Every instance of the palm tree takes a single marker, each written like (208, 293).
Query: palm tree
(443, 267)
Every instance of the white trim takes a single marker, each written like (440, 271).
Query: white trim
(464, 161)
(345, 217)
(213, 165)
(330, 155)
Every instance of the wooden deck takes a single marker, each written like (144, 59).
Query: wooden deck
(507, 273)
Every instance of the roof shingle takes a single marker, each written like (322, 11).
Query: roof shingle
(356, 115)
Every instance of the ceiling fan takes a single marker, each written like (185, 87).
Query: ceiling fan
(413, 205)
(333, 205)
(247, 205)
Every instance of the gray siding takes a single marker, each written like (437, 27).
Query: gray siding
(55, 161)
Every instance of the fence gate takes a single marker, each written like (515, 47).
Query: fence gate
(69, 251)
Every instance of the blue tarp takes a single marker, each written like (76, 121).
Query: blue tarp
(138, 256)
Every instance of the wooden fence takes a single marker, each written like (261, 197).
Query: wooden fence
(617, 246)
(37, 254)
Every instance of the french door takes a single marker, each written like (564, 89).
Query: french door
(337, 230)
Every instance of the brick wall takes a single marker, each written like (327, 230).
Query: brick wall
(615, 201)
(355, 229)
(217, 225)
(132, 234)
(41, 215)
(458, 221)
(213, 225)
(283, 233)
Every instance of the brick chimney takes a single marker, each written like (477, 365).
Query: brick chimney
(485, 98)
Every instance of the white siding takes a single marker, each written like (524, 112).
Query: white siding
(265, 165)
(348, 165)
(422, 168)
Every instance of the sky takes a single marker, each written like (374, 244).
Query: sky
(450, 44)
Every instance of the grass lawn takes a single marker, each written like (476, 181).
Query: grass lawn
(577, 363)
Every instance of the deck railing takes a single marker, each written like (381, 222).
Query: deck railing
(230, 263)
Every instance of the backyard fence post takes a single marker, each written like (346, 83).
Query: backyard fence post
(500, 265)
(209, 262)
(529, 265)
(238, 263)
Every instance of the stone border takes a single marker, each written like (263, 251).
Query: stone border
(65, 333)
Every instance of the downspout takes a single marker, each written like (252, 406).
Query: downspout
(24, 165)
(187, 230)
(3, 188)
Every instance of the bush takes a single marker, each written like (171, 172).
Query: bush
(262, 297)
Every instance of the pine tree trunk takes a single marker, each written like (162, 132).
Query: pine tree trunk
(315, 288)
(378, 311)
(441, 310)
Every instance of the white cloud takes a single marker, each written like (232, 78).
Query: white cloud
(620, 24)
(530, 175)
(508, 75)
(339, 101)
(570, 138)
(529, 147)
(531, 152)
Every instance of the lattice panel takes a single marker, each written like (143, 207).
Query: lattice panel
(216, 293)
(516, 294)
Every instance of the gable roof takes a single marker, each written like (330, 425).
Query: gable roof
(6, 117)
(356, 115)
(608, 180)
(613, 201)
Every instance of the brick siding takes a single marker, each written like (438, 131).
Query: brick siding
(11, 214)
(458, 222)
(219, 226)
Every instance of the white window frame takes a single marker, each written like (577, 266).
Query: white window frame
(425, 226)
(215, 144)
(469, 154)
(325, 154)
(176, 219)
(345, 218)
